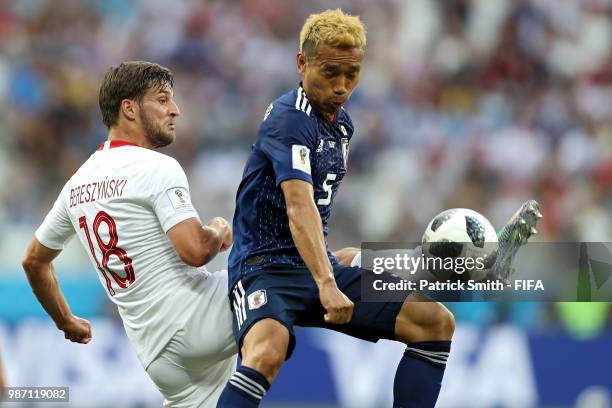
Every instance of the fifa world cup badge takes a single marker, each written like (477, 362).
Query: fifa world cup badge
(179, 194)
(179, 197)
(300, 158)
(303, 154)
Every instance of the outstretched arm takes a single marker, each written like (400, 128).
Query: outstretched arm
(38, 267)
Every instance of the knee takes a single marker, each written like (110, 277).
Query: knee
(430, 321)
(265, 356)
(443, 322)
(265, 352)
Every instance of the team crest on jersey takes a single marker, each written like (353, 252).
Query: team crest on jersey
(257, 299)
(179, 197)
(300, 157)
(345, 150)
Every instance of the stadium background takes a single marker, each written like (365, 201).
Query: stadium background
(479, 104)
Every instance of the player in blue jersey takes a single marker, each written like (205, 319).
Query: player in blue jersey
(281, 271)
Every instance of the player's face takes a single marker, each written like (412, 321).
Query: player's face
(157, 114)
(330, 76)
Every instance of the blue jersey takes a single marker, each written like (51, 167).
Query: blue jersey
(293, 142)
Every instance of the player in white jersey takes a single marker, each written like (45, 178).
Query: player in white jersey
(130, 208)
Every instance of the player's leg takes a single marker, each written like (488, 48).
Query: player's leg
(194, 366)
(186, 380)
(264, 348)
(426, 327)
(264, 308)
(169, 378)
(208, 331)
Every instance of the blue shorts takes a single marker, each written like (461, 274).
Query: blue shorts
(290, 296)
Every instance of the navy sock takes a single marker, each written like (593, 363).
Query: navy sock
(245, 389)
(419, 374)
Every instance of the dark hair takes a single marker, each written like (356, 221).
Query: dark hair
(129, 80)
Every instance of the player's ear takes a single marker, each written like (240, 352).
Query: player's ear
(301, 62)
(129, 109)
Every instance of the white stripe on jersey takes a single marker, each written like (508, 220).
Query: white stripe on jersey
(301, 102)
(242, 296)
(299, 96)
(239, 304)
(236, 306)
(303, 105)
(236, 311)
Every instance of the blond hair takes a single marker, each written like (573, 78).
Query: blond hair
(333, 28)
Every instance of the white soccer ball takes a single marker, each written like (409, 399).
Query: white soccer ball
(466, 237)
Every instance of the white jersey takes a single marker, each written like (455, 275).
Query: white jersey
(121, 203)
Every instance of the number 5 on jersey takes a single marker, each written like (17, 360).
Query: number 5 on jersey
(328, 189)
(109, 248)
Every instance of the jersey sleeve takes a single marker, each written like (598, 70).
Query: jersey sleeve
(57, 228)
(288, 143)
(171, 196)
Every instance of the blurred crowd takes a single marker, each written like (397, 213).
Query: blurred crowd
(462, 103)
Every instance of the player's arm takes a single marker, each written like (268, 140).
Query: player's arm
(345, 256)
(38, 267)
(307, 233)
(194, 243)
(198, 244)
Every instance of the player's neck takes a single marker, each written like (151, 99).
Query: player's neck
(330, 117)
(115, 134)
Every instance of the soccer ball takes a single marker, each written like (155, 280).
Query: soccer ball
(459, 243)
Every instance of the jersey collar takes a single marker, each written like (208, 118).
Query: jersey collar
(109, 144)
(306, 103)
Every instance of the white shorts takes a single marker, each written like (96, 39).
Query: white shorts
(193, 368)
